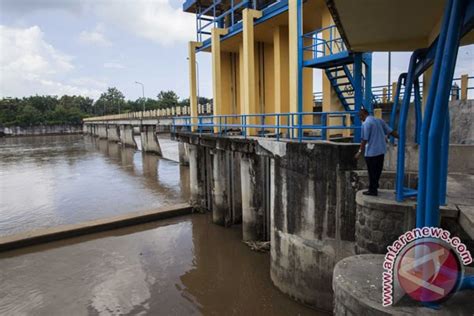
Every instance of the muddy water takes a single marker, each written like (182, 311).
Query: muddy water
(182, 266)
(54, 180)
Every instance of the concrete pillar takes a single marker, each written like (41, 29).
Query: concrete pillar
(126, 136)
(220, 188)
(196, 179)
(113, 133)
(149, 140)
(102, 131)
(183, 152)
(248, 50)
(253, 213)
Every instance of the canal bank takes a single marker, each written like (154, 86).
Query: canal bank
(64, 129)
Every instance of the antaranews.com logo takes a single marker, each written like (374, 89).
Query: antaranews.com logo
(427, 263)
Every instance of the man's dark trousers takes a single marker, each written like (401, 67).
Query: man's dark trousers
(374, 167)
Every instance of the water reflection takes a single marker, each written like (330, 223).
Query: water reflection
(53, 180)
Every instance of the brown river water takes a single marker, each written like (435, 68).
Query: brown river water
(179, 266)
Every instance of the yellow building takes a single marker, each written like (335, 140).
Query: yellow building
(263, 56)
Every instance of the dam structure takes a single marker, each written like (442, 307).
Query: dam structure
(278, 159)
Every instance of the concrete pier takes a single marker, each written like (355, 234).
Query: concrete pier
(126, 136)
(101, 131)
(113, 133)
(183, 152)
(149, 140)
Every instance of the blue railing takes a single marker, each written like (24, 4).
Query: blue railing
(277, 125)
(321, 47)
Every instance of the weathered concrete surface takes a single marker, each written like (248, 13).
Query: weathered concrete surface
(67, 231)
(183, 152)
(459, 158)
(113, 133)
(169, 147)
(102, 131)
(126, 136)
(462, 122)
(253, 198)
(381, 220)
(40, 130)
(196, 177)
(357, 285)
(312, 220)
(149, 140)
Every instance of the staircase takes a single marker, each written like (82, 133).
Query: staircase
(328, 52)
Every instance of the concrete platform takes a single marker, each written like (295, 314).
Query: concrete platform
(67, 231)
(357, 285)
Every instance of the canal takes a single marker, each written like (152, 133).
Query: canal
(179, 266)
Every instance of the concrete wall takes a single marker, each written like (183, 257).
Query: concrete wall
(297, 195)
(126, 136)
(459, 158)
(113, 133)
(149, 140)
(40, 130)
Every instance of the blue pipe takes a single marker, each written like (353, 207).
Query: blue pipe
(423, 151)
(402, 122)
(393, 115)
(438, 120)
(367, 59)
(358, 96)
(444, 161)
(417, 111)
(299, 19)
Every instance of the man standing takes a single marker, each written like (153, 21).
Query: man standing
(374, 147)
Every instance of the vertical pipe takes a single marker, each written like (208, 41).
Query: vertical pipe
(358, 96)
(368, 82)
(449, 56)
(300, 65)
(402, 122)
(429, 106)
(393, 115)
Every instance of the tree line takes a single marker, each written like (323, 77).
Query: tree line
(53, 110)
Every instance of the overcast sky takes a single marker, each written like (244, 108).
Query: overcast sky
(84, 46)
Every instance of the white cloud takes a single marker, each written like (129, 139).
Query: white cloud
(155, 20)
(113, 65)
(29, 65)
(96, 36)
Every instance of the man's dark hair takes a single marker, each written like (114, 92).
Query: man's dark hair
(364, 111)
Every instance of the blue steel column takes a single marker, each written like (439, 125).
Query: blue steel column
(393, 115)
(449, 56)
(358, 96)
(299, 13)
(429, 107)
(367, 58)
(402, 122)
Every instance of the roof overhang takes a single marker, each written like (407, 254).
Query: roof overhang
(387, 25)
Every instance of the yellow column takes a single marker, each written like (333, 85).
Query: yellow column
(293, 54)
(281, 66)
(331, 101)
(193, 101)
(426, 85)
(464, 84)
(394, 90)
(378, 113)
(216, 70)
(249, 63)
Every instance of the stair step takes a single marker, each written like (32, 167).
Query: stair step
(336, 69)
(339, 77)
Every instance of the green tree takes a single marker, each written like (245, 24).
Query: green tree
(110, 102)
(167, 99)
(29, 115)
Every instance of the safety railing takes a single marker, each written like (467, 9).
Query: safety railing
(224, 14)
(324, 42)
(301, 126)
